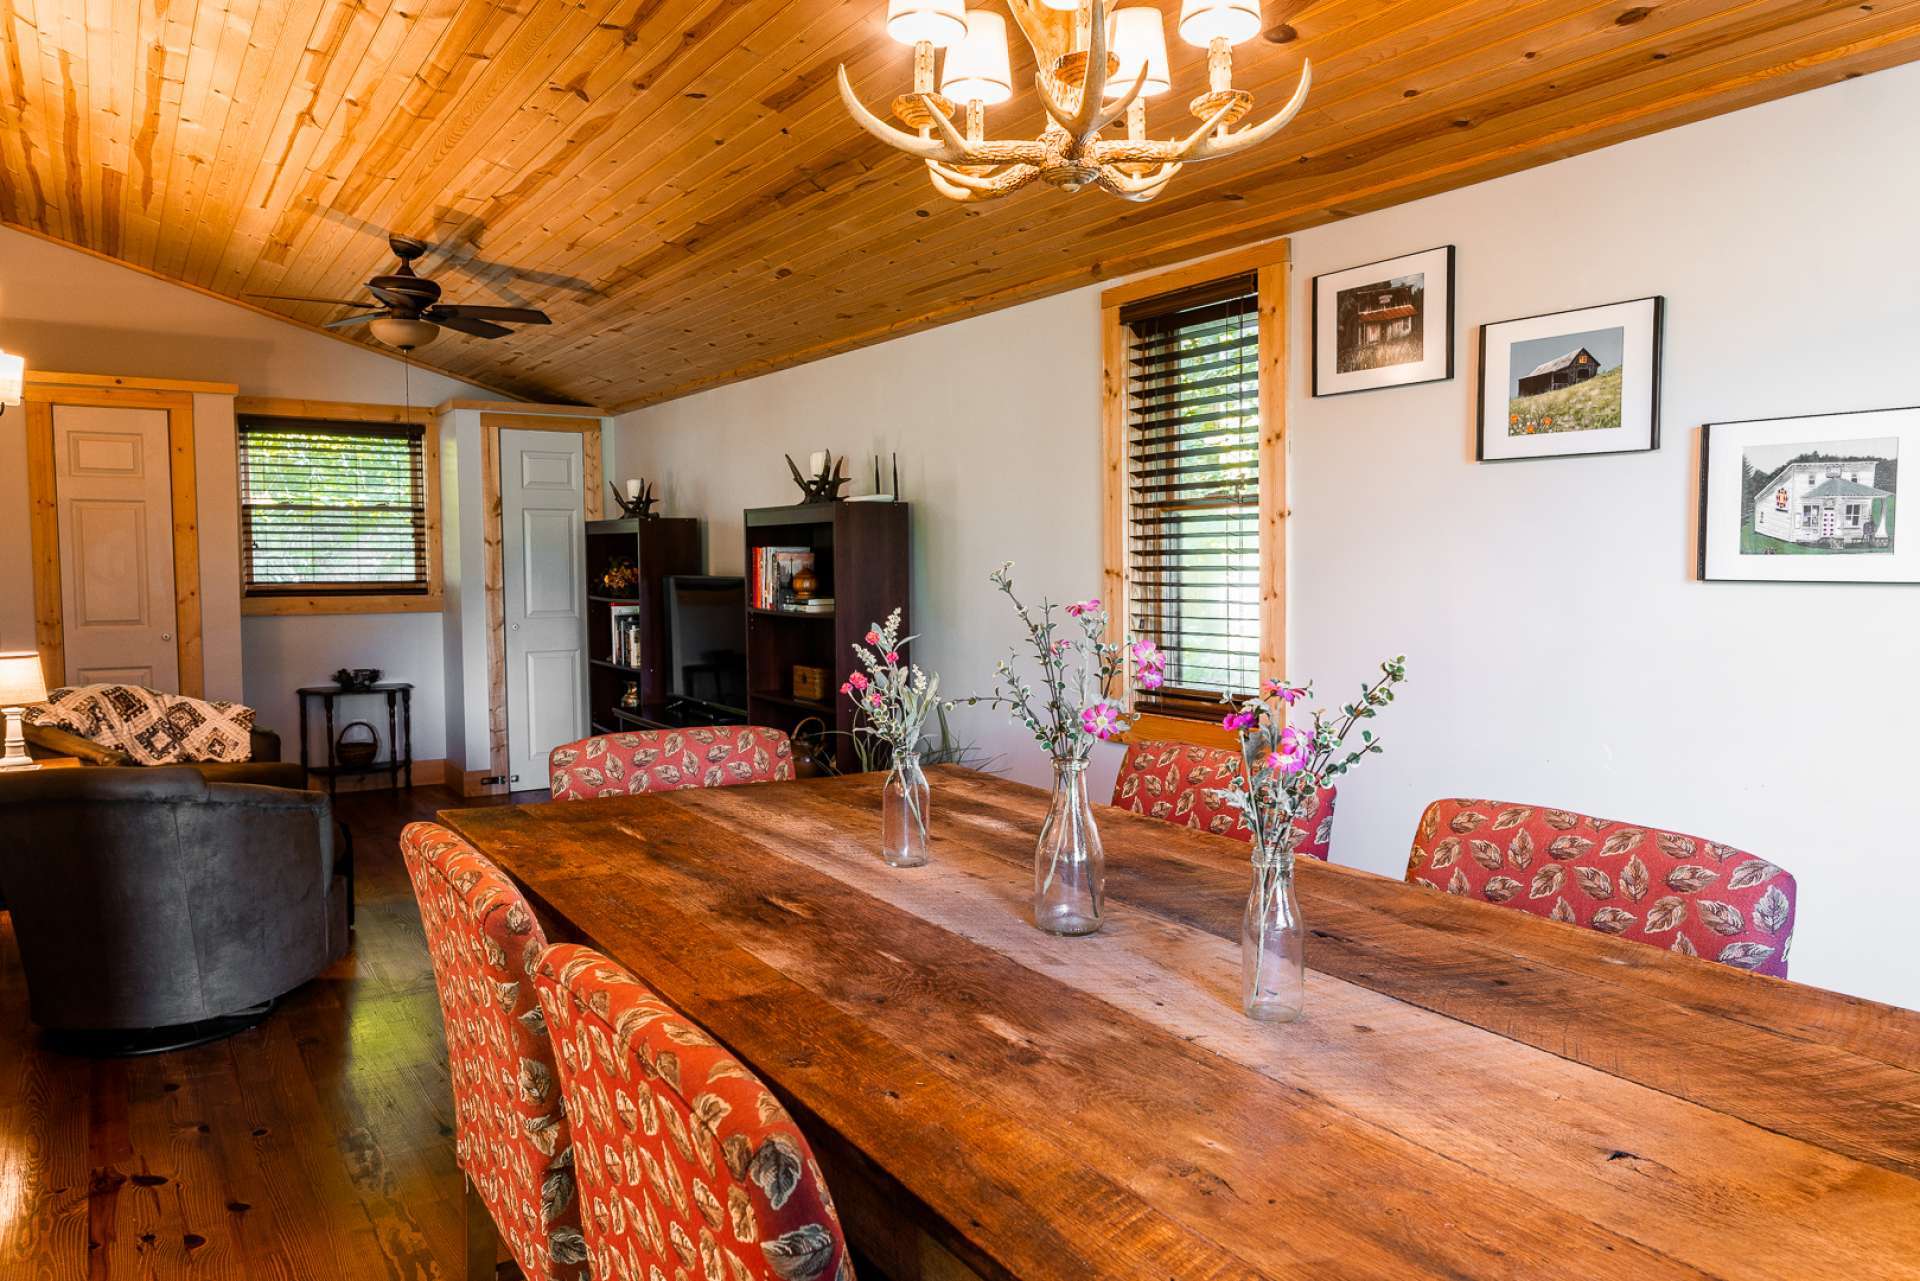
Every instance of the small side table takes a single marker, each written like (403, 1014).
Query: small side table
(399, 762)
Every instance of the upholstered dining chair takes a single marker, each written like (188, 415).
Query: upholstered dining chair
(1177, 781)
(667, 760)
(510, 1132)
(1684, 893)
(687, 1166)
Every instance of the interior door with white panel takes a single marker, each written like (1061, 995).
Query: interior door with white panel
(113, 490)
(543, 551)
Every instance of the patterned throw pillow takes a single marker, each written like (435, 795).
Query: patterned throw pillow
(151, 727)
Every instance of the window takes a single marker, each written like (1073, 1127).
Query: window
(334, 510)
(1192, 475)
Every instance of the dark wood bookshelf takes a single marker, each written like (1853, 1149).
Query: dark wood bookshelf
(657, 548)
(861, 556)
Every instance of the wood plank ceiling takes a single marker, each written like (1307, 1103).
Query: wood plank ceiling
(677, 182)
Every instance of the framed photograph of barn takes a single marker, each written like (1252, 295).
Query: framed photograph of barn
(1813, 499)
(1386, 324)
(1571, 382)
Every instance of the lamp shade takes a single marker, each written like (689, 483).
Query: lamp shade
(1203, 20)
(977, 67)
(1136, 36)
(13, 377)
(20, 680)
(403, 332)
(1065, 6)
(938, 22)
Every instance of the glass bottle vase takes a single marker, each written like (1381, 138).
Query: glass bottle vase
(1069, 867)
(903, 813)
(1273, 963)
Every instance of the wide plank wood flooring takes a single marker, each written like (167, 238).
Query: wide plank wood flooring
(316, 1145)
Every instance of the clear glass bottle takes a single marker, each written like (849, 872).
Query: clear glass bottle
(1069, 867)
(903, 813)
(1273, 953)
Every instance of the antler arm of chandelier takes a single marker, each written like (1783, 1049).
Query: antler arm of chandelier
(1131, 187)
(949, 148)
(1205, 143)
(966, 187)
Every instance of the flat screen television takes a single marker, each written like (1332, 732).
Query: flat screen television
(707, 642)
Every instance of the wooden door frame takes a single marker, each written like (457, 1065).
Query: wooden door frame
(493, 564)
(1272, 265)
(45, 392)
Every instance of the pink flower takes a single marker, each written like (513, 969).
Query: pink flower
(858, 680)
(893, 656)
(1238, 720)
(873, 637)
(847, 688)
(1149, 678)
(1287, 694)
(1079, 607)
(1060, 647)
(1076, 609)
(1295, 742)
(1285, 764)
(874, 698)
(1102, 720)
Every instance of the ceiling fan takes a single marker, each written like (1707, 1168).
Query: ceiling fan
(410, 313)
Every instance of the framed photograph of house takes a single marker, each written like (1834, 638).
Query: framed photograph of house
(1571, 382)
(1808, 500)
(1387, 324)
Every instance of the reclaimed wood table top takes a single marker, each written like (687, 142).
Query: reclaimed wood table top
(1473, 1092)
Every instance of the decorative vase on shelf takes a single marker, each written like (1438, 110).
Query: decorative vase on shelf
(1273, 953)
(903, 813)
(1069, 867)
(630, 696)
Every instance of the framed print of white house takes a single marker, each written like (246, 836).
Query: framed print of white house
(1808, 500)
(1571, 382)
(1387, 324)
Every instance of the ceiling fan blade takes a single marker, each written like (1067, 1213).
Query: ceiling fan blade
(360, 319)
(468, 325)
(336, 302)
(511, 315)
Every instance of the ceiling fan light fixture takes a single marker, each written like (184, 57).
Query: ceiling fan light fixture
(403, 332)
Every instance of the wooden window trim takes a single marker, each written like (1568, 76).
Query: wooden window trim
(431, 601)
(1272, 265)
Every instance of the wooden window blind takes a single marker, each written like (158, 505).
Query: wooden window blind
(1193, 491)
(331, 508)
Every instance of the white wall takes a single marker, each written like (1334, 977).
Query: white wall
(1559, 651)
(74, 313)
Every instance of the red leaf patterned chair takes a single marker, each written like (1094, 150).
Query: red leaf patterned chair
(1683, 893)
(688, 1167)
(1177, 782)
(668, 760)
(510, 1133)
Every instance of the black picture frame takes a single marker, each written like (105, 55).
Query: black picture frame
(1659, 302)
(1314, 323)
(1705, 512)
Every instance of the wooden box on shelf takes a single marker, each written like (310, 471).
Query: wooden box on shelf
(860, 554)
(655, 549)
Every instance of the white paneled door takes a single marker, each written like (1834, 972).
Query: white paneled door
(542, 529)
(114, 491)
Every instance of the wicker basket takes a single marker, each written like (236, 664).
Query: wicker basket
(356, 753)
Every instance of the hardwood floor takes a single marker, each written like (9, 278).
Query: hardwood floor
(316, 1145)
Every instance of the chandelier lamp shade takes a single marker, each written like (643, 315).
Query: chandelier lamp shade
(1095, 69)
(13, 379)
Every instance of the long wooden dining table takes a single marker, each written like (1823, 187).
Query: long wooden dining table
(1472, 1092)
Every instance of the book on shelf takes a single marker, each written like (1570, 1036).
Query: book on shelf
(773, 571)
(626, 649)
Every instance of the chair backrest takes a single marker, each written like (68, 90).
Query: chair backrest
(666, 760)
(510, 1131)
(687, 1165)
(1690, 895)
(1177, 781)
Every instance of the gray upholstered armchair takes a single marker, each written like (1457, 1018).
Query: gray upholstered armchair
(154, 908)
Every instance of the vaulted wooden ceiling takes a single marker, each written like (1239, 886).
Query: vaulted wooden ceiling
(677, 182)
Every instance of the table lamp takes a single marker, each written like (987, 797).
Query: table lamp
(20, 683)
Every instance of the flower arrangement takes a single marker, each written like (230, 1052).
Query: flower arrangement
(1287, 765)
(1285, 768)
(620, 574)
(895, 699)
(1078, 668)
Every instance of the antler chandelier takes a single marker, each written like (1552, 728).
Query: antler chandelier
(1092, 69)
